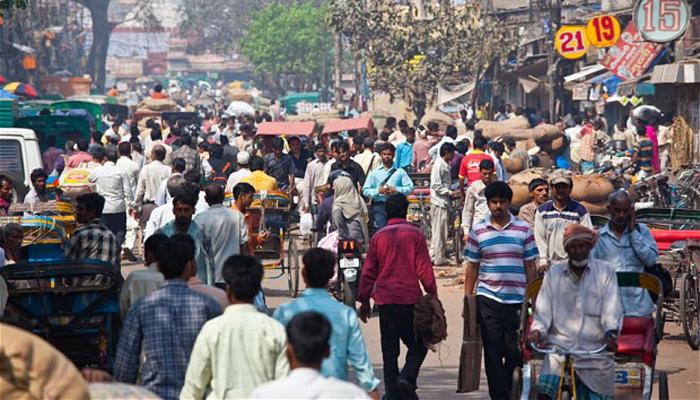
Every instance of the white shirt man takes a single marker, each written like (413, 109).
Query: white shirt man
(113, 184)
(308, 383)
(242, 158)
(313, 178)
(131, 169)
(150, 178)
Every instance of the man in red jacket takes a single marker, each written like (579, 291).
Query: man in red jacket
(397, 264)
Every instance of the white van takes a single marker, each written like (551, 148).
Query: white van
(19, 156)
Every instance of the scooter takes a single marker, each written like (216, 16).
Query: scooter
(349, 268)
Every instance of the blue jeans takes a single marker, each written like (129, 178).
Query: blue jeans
(379, 217)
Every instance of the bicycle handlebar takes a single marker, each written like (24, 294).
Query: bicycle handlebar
(565, 352)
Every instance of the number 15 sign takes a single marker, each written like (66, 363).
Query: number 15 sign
(661, 21)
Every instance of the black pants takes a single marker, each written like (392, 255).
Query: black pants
(396, 322)
(117, 224)
(499, 334)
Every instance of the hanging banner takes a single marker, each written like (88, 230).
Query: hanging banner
(661, 21)
(631, 55)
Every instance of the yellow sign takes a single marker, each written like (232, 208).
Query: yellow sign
(603, 30)
(571, 41)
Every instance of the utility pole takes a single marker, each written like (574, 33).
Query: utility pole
(552, 59)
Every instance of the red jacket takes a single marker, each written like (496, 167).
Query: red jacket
(397, 260)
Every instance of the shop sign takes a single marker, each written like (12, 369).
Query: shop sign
(603, 30)
(631, 55)
(661, 21)
(579, 92)
(571, 41)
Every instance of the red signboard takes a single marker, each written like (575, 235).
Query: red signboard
(631, 55)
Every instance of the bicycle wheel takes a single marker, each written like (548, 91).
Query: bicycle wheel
(689, 311)
(293, 267)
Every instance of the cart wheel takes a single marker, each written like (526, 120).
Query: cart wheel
(689, 311)
(516, 387)
(663, 385)
(293, 267)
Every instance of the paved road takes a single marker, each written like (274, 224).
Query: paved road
(438, 377)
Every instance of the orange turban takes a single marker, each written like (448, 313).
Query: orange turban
(575, 232)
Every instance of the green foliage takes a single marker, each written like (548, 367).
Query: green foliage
(10, 4)
(287, 40)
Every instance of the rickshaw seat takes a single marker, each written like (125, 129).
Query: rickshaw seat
(637, 338)
(420, 191)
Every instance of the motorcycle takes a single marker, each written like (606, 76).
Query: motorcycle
(349, 266)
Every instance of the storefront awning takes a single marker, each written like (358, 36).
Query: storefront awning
(677, 73)
(447, 94)
(529, 83)
(584, 73)
(636, 86)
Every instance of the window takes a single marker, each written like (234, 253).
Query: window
(11, 158)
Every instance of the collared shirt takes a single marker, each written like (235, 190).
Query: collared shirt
(634, 250)
(131, 169)
(440, 183)
(163, 195)
(313, 178)
(501, 254)
(113, 184)
(280, 169)
(476, 208)
(397, 260)
(191, 157)
(261, 181)
(501, 172)
(356, 172)
(138, 284)
(470, 165)
(549, 228)
(163, 326)
(33, 369)
(404, 155)
(368, 160)
(307, 383)
(78, 158)
(202, 256)
(575, 314)
(33, 197)
(394, 177)
(228, 232)
(527, 213)
(150, 178)
(347, 343)
(235, 178)
(235, 353)
(214, 292)
(94, 241)
(586, 147)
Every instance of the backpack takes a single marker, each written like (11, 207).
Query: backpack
(220, 177)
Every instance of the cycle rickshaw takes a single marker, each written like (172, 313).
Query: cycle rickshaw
(635, 359)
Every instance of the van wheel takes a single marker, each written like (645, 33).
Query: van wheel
(19, 190)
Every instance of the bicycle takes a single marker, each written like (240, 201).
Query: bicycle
(567, 378)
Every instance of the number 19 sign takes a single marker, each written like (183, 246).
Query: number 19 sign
(661, 21)
(571, 41)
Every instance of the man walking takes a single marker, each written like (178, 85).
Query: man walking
(539, 193)
(280, 166)
(552, 218)
(163, 326)
(476, 207)
(441, 195)
(188, 153)
(404, 151)
(112, 183)
(501, 255)
(346, 342)
(385, 181)
(243, 348)
(628, 246)
(152, 174)
(93, 240)
(225, 227)
(313, 178)
(397, 264)
(242, 159)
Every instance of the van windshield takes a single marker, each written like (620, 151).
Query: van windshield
(11, 158)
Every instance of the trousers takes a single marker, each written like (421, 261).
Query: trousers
(439, 220)
(396, 323)
(117, 224)
(499, 334)
(379, 216)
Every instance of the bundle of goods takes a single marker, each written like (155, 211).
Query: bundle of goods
(439, 117)
(592, 190)
(74, 182)
(157, 105)
(237, 94)
(60, 211)
(519, 129)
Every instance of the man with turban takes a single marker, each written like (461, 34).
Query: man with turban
(578, 308)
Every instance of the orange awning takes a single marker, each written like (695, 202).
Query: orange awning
(339, 125)
(305, 128)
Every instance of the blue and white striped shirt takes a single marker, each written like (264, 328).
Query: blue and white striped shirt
(502, 254)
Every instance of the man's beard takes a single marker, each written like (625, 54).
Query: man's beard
(578, 263)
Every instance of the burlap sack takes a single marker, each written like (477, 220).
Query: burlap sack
(442, 119)
(74, 182)
(149, 104)
(519, 182)
(596, 208)
(593, 188)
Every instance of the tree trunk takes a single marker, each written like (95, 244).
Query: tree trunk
(101, 31)
(338, 69)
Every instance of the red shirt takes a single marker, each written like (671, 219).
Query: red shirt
(469, 168)
(397, 260)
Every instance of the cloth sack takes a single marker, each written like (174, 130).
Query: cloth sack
(470, 357)
(429, 321)
(306, 223)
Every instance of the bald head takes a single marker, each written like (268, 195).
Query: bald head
(620, 197)
(621, 211)
(214, 194)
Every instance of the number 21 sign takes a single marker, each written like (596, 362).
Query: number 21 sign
(571, 41)
(661, 21)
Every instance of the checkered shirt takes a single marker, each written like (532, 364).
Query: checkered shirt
(162, 326)
(94, 241)
(191, 157)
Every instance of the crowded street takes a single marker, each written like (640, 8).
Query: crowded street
(350, 199)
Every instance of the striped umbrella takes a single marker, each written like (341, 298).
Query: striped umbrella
(21, 89)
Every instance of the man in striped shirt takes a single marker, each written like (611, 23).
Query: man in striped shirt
(501, 255)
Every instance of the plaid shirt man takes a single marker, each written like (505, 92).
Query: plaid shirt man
(191, 157)
(94, 241)
(163, 326)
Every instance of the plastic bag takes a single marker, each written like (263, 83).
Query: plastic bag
(306, 224)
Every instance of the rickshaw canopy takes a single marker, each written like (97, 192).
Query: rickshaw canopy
(339, 125)
(305, 128)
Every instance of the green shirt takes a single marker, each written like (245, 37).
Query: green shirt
(234, 354)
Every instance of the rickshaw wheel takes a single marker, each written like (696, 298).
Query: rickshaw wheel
(516, 387)
(293, 267)
(689, 311)
(663, 385)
